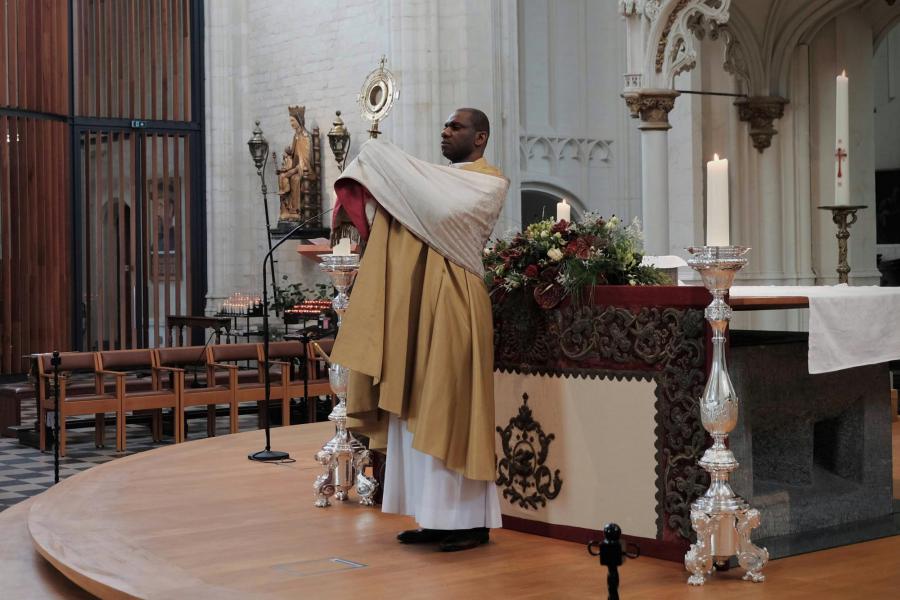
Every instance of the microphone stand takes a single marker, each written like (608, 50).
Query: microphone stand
(56, 361)
(268, 454)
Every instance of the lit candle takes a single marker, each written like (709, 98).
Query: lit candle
(717, 202)
(563, 211)
(842, 141)
(342, 248)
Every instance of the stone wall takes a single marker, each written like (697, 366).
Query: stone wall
(261, 57)
(577, 140)
(268, 54)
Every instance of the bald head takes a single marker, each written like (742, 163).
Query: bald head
(465, 135)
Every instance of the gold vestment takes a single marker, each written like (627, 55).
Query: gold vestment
(418, 338)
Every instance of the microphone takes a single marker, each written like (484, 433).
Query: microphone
(268, 454)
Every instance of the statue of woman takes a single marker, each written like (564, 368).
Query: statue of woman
(284, 183)
(298, 169)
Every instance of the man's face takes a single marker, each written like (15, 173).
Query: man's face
(459, 138)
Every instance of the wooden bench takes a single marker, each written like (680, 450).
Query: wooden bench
(123, 381)
(11, 397)
(200, 390)
(78, 399)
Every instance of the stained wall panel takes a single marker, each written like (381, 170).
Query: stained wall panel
(132, 59)
(35, 240)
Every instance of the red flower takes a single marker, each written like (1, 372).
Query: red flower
(549, 274)
(582, 248)
(560, 226)
(510, 255)
(532, 271)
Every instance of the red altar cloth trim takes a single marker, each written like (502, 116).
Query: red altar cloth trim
(351, 199)
(674, 296)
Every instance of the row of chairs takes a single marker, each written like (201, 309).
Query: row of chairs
(128, 381)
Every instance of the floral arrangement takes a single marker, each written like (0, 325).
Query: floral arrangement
(554, 259)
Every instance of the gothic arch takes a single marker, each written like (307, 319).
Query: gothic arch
(670, 49)
(554, 189)
(742, 56)
(785, 30)
(883, 32)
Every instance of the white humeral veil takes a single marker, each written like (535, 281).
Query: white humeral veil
(450, 209)
(420, 486)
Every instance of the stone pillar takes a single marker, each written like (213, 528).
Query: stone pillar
(652, 107)
(760, 112)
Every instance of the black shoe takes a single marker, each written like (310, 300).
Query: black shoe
(465, 539)
(422, 536)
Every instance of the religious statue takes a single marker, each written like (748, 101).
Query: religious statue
(298, 175)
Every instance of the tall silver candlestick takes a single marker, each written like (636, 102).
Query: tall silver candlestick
(721, 519)
(343, 457)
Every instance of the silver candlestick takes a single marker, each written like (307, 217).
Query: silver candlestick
(343, 457)
(721, 519)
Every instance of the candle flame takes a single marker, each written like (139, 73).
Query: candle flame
(843, 72)
(564, 201)
(715, 157)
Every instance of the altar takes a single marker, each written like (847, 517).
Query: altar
(598, 421)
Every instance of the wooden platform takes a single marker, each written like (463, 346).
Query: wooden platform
(198, 520)
(23, 572)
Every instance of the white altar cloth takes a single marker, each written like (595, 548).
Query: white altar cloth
(849, 326)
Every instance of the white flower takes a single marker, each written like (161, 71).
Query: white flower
(612, 223)
(487, 250)
(545, 234)
(555, 254)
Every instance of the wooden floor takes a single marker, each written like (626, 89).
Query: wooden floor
(199, 520)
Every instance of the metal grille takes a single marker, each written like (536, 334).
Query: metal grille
(136, 234)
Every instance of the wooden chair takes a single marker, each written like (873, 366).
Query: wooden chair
(82, 398)
(116, 363)
(315, 386)
(200, 390)
(226, 356)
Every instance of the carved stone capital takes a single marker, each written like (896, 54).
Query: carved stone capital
(652, 106)
(761, 112)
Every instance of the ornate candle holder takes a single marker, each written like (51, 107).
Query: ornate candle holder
(343, 457)
(843, 216)
(722, 520)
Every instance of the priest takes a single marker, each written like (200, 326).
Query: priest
(418, 335)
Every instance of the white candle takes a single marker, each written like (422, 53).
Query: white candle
(342, 248)
(717, 202)
(842, 141)
(563, 211)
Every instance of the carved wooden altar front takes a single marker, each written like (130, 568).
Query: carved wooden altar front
(641, 334)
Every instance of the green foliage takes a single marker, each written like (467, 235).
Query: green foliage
(293, 294)
(559, 259)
